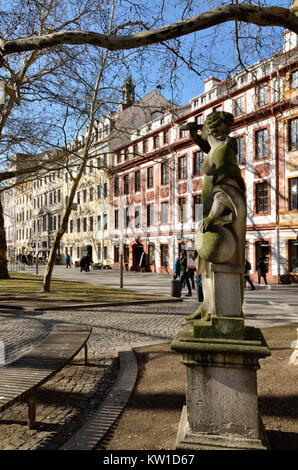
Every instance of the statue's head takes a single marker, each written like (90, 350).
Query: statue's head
(218, 124)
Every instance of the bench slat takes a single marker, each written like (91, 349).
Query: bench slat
(19, 379)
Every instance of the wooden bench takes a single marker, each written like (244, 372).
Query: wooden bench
(21, 378)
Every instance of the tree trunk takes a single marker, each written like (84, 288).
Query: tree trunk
(3, 247)
(51, 261)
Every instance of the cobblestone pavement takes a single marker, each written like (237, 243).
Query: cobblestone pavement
(70, 398)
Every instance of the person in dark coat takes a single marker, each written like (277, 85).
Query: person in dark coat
(83, 263)
(87, 263)
(246, 274)
(184, 273)
(262, 270)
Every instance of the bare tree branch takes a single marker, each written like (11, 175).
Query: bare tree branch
(261, 16)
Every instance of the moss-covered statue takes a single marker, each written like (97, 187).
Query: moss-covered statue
(221, 235)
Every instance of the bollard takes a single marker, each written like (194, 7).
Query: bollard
(175, 288)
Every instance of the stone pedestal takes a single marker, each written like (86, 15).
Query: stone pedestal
(221, 409)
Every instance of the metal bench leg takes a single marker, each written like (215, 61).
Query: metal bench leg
(86, 354)
(31, 411)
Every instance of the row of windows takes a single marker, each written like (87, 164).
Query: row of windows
(261, 206)
(140, 148)
(86, 224)
(47, 199)
(135, 218)
(47, 223)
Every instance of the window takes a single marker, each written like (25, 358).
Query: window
(293, 255)
(84, 195)
(240, 149)
(164, 255)
(71, 226)
(151, 253)
(164, 173)
(118, 157)
(261, 197)
(135, 150)
(293, 194)
(91, 194)
(105, 159)
(261, 143)
(292, 129)
(116, 219)
(126, 221)
(182, 209)
(105, 252)
(197, 163)
(294, 79)
(217, 108)
(105, 190)
(137, 217)
(183, 132)
(164, 212)
(78, 252)
(199, 119)
(91, 223)
(85, 224)
(166, 136)
(99, 222)
(105, 221)
(126, 184)
(182, 167)
(126, 154)
(150, 177)
(137, 181)
(239, 105)
(91, 166)
(262, 95)
(197, 208)
(116, 254)
(155, 142)
(78, 225)
(78, 197)
(145, 146)
(150, 215)
(116, 187)
(98, 190)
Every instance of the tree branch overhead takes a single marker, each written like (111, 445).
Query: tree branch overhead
(261, 16)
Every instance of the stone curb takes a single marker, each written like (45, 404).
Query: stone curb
(80, 306)
(91, 433)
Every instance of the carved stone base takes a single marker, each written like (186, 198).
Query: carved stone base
(221, 357)
(190, 440)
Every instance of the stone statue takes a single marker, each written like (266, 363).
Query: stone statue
(221, 235)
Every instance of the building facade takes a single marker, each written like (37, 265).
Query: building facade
(140, 195)
(156, 192)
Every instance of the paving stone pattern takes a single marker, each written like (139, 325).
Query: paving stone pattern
(68, 400)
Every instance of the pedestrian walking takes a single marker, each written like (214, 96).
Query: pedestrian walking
(184, 277)
(177, 268)
(247, 268)
(262, 270)
(68, 261)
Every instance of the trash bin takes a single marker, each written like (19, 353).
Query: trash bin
(175, 288)
(199, 289)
